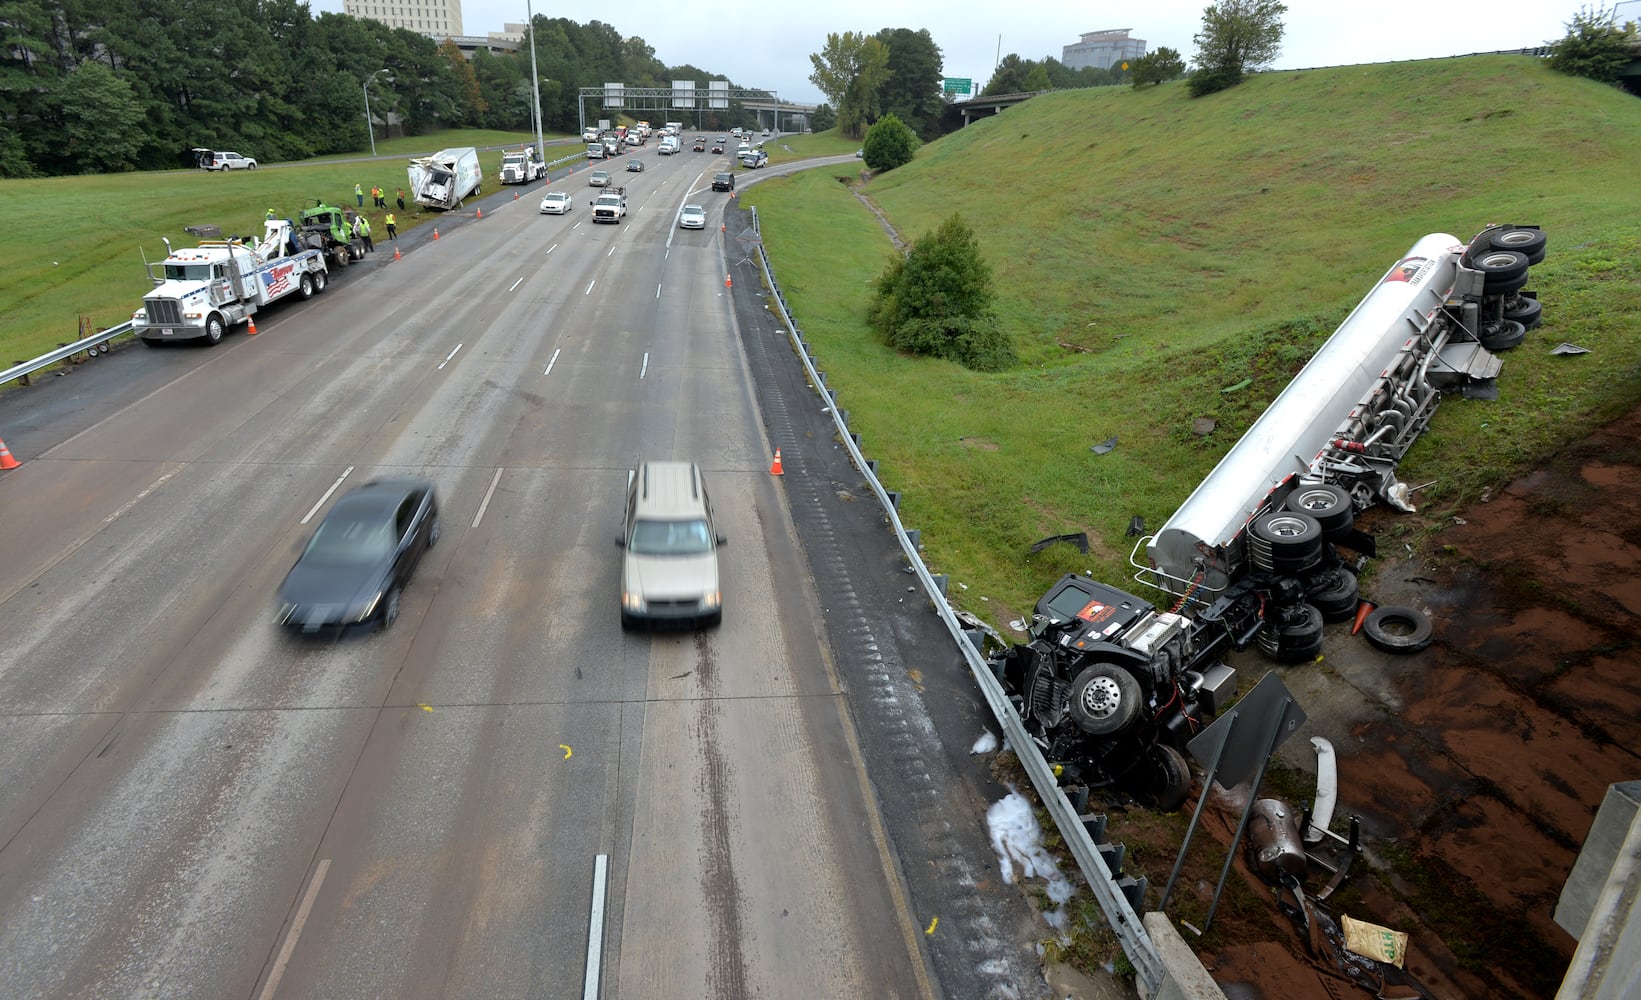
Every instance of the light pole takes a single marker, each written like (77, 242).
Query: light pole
(535, 83)
(368, 126)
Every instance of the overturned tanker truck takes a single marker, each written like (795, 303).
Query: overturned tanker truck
(1110, 686)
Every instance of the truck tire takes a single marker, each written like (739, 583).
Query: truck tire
(1285, 542)
(340, 256)
(1528, 312)
(318, 281)
(1105, 699)
(306, 287)
(1397, 629)
(1505, 271)
(1336, 594)
(1168, 778)
(1330, 506)
(213, 329)
(1509, 334)
(1528, 242)
(1300, 640)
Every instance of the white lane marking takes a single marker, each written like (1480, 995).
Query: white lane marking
(487, 495)
(517, 283)
(658, 289)
(590, 285)
(447, 357)
(126, 508)
(315, 508)
(646, 366)
(595, 930)
(612, 251)
(301, 918)
(552, 361)
(551, 249)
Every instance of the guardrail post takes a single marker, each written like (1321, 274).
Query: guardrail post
(915, 536)
(940, 582)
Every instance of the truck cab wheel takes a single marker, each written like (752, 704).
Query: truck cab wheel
(213, 329)
(1105, 698)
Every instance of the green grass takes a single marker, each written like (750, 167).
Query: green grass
(87, 235)
(1151, 250)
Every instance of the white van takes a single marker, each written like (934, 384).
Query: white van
(669, 146)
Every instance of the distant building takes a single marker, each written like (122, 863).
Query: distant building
(1103, 49)
(434, 18)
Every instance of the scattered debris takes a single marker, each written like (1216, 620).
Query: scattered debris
(1566, 348)
(1245, 383)
(1203, 426)
(1104, 447)
(1136, 526)
(1079, 539)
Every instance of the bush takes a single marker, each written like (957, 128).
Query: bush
(1211, 81)
(937, 301)
(1595, 46)
(889, 143)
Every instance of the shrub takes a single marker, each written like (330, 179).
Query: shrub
(889, 143)
(937, 300)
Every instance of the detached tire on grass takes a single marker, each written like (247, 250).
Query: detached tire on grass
(1397, 629)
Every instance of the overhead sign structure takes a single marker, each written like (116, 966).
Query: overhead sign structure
(615, 95)
(959, 85)
(683, 93)
(718, 94)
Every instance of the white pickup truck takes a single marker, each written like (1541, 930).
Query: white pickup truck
(611, 205)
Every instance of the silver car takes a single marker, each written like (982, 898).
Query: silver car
(669, 569)
(692, 217)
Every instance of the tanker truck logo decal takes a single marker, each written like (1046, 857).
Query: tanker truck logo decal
(1410, 269)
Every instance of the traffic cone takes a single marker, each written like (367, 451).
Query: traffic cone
(481, 213)
(396, 252)
(727, 282)
(250, 326)
(775, 469)
(435, 232)
(6, 461)
(515, 196)
(1362, 611)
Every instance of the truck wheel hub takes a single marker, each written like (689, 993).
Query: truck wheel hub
(1101, 697)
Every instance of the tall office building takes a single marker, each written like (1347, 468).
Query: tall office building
(433, 18)
(1103, 49)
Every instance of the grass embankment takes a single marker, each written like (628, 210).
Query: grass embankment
(87, 235)
(1153, 251)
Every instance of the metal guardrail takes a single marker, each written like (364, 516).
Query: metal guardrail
(1120, 914)
(96, 343)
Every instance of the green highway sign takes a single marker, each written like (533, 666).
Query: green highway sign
(959, 85)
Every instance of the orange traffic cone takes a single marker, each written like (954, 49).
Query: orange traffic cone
(515, 196)
(435, 232)
(396, 253)
(775, 469)
(6, 461)
(481, 213)
(727, 282)
(250, 326)
(1362, 611)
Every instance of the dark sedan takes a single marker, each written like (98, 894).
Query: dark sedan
(359, 560)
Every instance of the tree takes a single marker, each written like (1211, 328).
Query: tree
(102, 126)
(889, 143)
(849, 70)
(1008, 78)
(937, 300)
(912, 91)
(1156, 67)
(1238, 37)
(1037, 79)
(823, 118)
(1595, 46)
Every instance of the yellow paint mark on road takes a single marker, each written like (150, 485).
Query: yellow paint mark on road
(425, 708)
(932, 925)
(566, 750)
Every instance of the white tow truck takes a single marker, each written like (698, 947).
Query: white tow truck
(203, 290)
(522, 166)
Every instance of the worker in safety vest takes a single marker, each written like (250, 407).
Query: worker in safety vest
(359, 195)
(392, 227)
(270, 216)
(364, 224)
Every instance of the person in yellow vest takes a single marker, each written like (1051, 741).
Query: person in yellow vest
(392, 228)
(362, 227)
(359, 194)
(270, 216)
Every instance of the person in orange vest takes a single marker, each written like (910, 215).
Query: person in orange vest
(401, 199)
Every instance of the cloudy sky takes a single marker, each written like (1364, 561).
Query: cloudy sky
(767, 45)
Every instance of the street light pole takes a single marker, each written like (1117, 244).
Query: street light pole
(535, 83)
(369, 127)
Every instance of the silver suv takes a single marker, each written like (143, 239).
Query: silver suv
(669, 572)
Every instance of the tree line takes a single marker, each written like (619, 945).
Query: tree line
(97, 86)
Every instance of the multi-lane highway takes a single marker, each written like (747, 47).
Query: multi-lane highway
(504, 794)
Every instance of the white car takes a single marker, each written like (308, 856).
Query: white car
(556, 203)
(692, 217)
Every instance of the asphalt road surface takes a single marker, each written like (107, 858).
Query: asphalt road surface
(505, 794)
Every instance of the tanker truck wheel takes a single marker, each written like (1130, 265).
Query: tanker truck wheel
(1528, 312)
(1286, 542)
(1328, 504)
(1105, 698)
(1509, 334)
(1505, 271)
(1336, 594)
(1528, 242)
